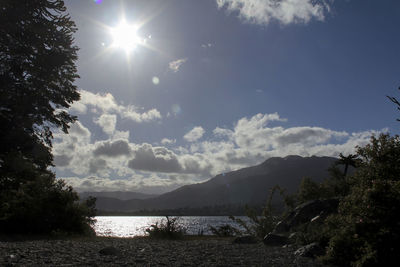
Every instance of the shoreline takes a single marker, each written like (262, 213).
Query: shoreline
(145, 251)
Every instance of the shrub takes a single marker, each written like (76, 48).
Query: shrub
(260, 226)
(45, 206)
(366, 230)
(310, 190)
(166, 230)
(336, 185)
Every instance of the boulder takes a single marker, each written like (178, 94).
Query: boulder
(275, 240)
(247, 239)
(281, 227)
(306, 212)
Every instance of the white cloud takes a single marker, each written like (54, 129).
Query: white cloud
(79, 107)
(253, 133)
(284, 11)
(166, 141)
(76, 153)
(121, 135)
(103, 102)
(79, 131)
(221, 132)
(62, 160)
(150, 115)
(97, 166)
(307, 136)
(162, 160)
(195, 134)
(107, 122)
(70, 150)
(106, 104)
(253, 140)
(175, 65)
(112, 148)
(156, 159)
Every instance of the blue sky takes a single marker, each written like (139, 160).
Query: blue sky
(217, 85)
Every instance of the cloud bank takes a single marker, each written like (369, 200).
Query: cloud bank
(120, 164)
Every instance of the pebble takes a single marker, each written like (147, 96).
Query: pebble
(146, 252)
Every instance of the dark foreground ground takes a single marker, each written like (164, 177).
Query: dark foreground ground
(197, 251)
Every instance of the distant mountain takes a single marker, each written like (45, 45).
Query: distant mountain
(245, 186)
(119, 195)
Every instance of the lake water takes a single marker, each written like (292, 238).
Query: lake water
(130, 226)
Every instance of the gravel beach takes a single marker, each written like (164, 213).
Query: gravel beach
(201, 251)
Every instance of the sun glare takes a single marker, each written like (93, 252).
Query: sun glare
(125, 36)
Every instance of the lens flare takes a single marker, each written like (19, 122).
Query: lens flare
(155, 80)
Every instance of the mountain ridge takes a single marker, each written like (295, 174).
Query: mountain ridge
(248, 185)
(121, 195)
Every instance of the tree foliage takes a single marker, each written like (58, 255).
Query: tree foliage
(395, 101)
(366, 230)
(309, 190)
(37, 74)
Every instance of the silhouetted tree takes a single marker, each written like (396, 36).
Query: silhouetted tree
(394, 100)
(350, 160)
(37, 74)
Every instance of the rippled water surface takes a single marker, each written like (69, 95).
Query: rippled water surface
(130, 226)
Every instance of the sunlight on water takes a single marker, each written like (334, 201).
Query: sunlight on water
(130, 226)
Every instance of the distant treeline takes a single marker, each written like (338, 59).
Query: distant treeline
(220, 210)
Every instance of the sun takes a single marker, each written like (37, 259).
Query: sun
(125, 36)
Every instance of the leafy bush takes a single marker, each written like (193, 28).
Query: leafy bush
(366, 231)
(336, 185)
(44, 206)
(166, 230)
(310, 190)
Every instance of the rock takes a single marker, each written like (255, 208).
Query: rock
(311, 250)
(306, 212)
(316, 219)
(247, 239)
(12, 259)
(275, 240)
(109, 251)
